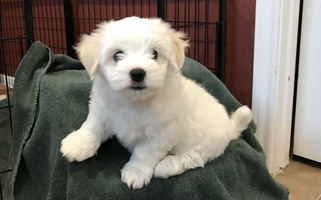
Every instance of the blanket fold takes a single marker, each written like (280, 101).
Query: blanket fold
(51, 100)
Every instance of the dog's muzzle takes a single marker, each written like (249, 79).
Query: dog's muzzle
(137, 76)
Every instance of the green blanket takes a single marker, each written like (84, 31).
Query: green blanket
(5, 140)
(51, 96)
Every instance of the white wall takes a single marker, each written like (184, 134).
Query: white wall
(276, 30)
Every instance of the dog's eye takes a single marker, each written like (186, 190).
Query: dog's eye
(155, 54)
(117, 56)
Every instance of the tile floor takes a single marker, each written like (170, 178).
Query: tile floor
(303, 181)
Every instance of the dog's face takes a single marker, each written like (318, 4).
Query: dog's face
(135, 55)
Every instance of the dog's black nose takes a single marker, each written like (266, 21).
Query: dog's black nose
(137, 75)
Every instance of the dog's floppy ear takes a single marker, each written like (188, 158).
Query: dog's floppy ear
(89, 47)
(88, 50)
(179, 46)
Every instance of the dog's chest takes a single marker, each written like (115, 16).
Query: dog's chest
(130, 123)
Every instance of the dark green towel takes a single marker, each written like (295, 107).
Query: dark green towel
(51, 96)
(5, 140)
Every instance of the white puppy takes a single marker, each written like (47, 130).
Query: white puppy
(168, 122)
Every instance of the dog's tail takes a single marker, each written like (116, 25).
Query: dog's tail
(240, 119)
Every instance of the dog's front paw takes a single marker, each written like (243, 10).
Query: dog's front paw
(136, 175)
(79, 145)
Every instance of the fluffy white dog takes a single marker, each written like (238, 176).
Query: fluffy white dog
(168, 122)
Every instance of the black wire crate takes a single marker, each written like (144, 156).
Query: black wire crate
(59, 23)
(203, 21)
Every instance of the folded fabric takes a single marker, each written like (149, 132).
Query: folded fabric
(5, 140)
(51, 100)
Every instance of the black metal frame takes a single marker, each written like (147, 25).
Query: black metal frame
(69, 28)
(222, 39)
(29, 22)
(161, 13)
(161, 8)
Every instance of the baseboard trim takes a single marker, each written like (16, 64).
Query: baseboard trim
(9, 78)
(307, 161)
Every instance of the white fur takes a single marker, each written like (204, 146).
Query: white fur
(170, 126)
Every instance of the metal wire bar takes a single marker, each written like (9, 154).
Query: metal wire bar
(7, 87)
(13, 38)
(29, 21)
(69, 28)
(221, 40)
